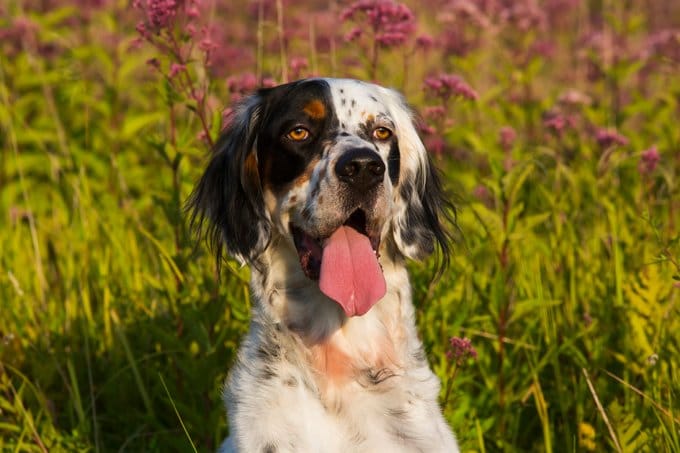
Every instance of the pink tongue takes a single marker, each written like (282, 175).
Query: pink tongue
(350, 273)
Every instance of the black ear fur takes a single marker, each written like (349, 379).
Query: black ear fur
(427, 217)
(227, 205)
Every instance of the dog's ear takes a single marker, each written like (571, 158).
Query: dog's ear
(424, 212)
(227, 204)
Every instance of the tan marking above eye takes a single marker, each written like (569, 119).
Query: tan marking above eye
(382, 133)
(315, 109)
(298, 134)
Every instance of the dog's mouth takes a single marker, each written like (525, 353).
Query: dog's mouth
(345, 263)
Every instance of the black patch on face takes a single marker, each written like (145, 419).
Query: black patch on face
(269, 448)
(393, 163)
(281, 160)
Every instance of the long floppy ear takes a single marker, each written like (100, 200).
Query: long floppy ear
(424, 212)
(227, 205)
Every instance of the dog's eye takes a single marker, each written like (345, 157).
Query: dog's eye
(298, 134)
(381, 133)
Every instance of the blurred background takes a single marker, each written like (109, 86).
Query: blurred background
(554, 122)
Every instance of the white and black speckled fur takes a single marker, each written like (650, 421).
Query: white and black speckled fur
(307, 377)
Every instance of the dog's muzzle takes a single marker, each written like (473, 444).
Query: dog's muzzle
(345, 261)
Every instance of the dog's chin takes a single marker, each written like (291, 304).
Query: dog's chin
(310, 247)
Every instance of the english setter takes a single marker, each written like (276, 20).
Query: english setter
(324, 187)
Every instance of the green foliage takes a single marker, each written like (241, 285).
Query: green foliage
(116, 333)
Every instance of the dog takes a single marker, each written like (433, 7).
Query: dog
(325, 189)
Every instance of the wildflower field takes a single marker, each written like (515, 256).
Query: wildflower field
(556, 124)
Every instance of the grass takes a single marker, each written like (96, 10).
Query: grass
(115, 333)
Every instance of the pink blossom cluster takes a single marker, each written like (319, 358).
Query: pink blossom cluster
(663, 44)
(159, 14)
(392, 23)
(21, 30)
(524, 15)
(610, 137)
(448, 85)
(507, 137)
(559, 122)
(243, 84)
(460, 350)
(649, 159)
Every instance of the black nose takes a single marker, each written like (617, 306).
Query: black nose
(362, 168)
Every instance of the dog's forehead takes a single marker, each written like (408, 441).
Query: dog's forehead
(356, 103)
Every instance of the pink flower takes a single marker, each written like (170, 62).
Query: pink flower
(425, 42)
(557, 122)
(574, 97)
(207, 44)
(434, 112)
(159, 13)
(483, 194)
(664, 43)
(392, 23)
(507, 137)
(460, 350)
(353, 34)
(297, 65)
(426, 129)
(481, 191)
(447, 85)
(435, 145)
(609, 137)
(649, 159)
(176, 69)
(268, 82)
(243, 84)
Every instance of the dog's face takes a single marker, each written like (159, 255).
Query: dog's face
(336, 168)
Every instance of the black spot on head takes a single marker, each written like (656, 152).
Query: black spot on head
(342, 90)
(397, 413)
(354, 103)
(270, 447)
(343, 101)
(373, 98)
(419, 355)
(268, 351)
(267, 373)
(342, 125)
(349, 112)
(358, 438)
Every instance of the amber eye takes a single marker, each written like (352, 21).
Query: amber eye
(298, 134)
(381, 133)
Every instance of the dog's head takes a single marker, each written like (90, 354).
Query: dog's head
(335, 167)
